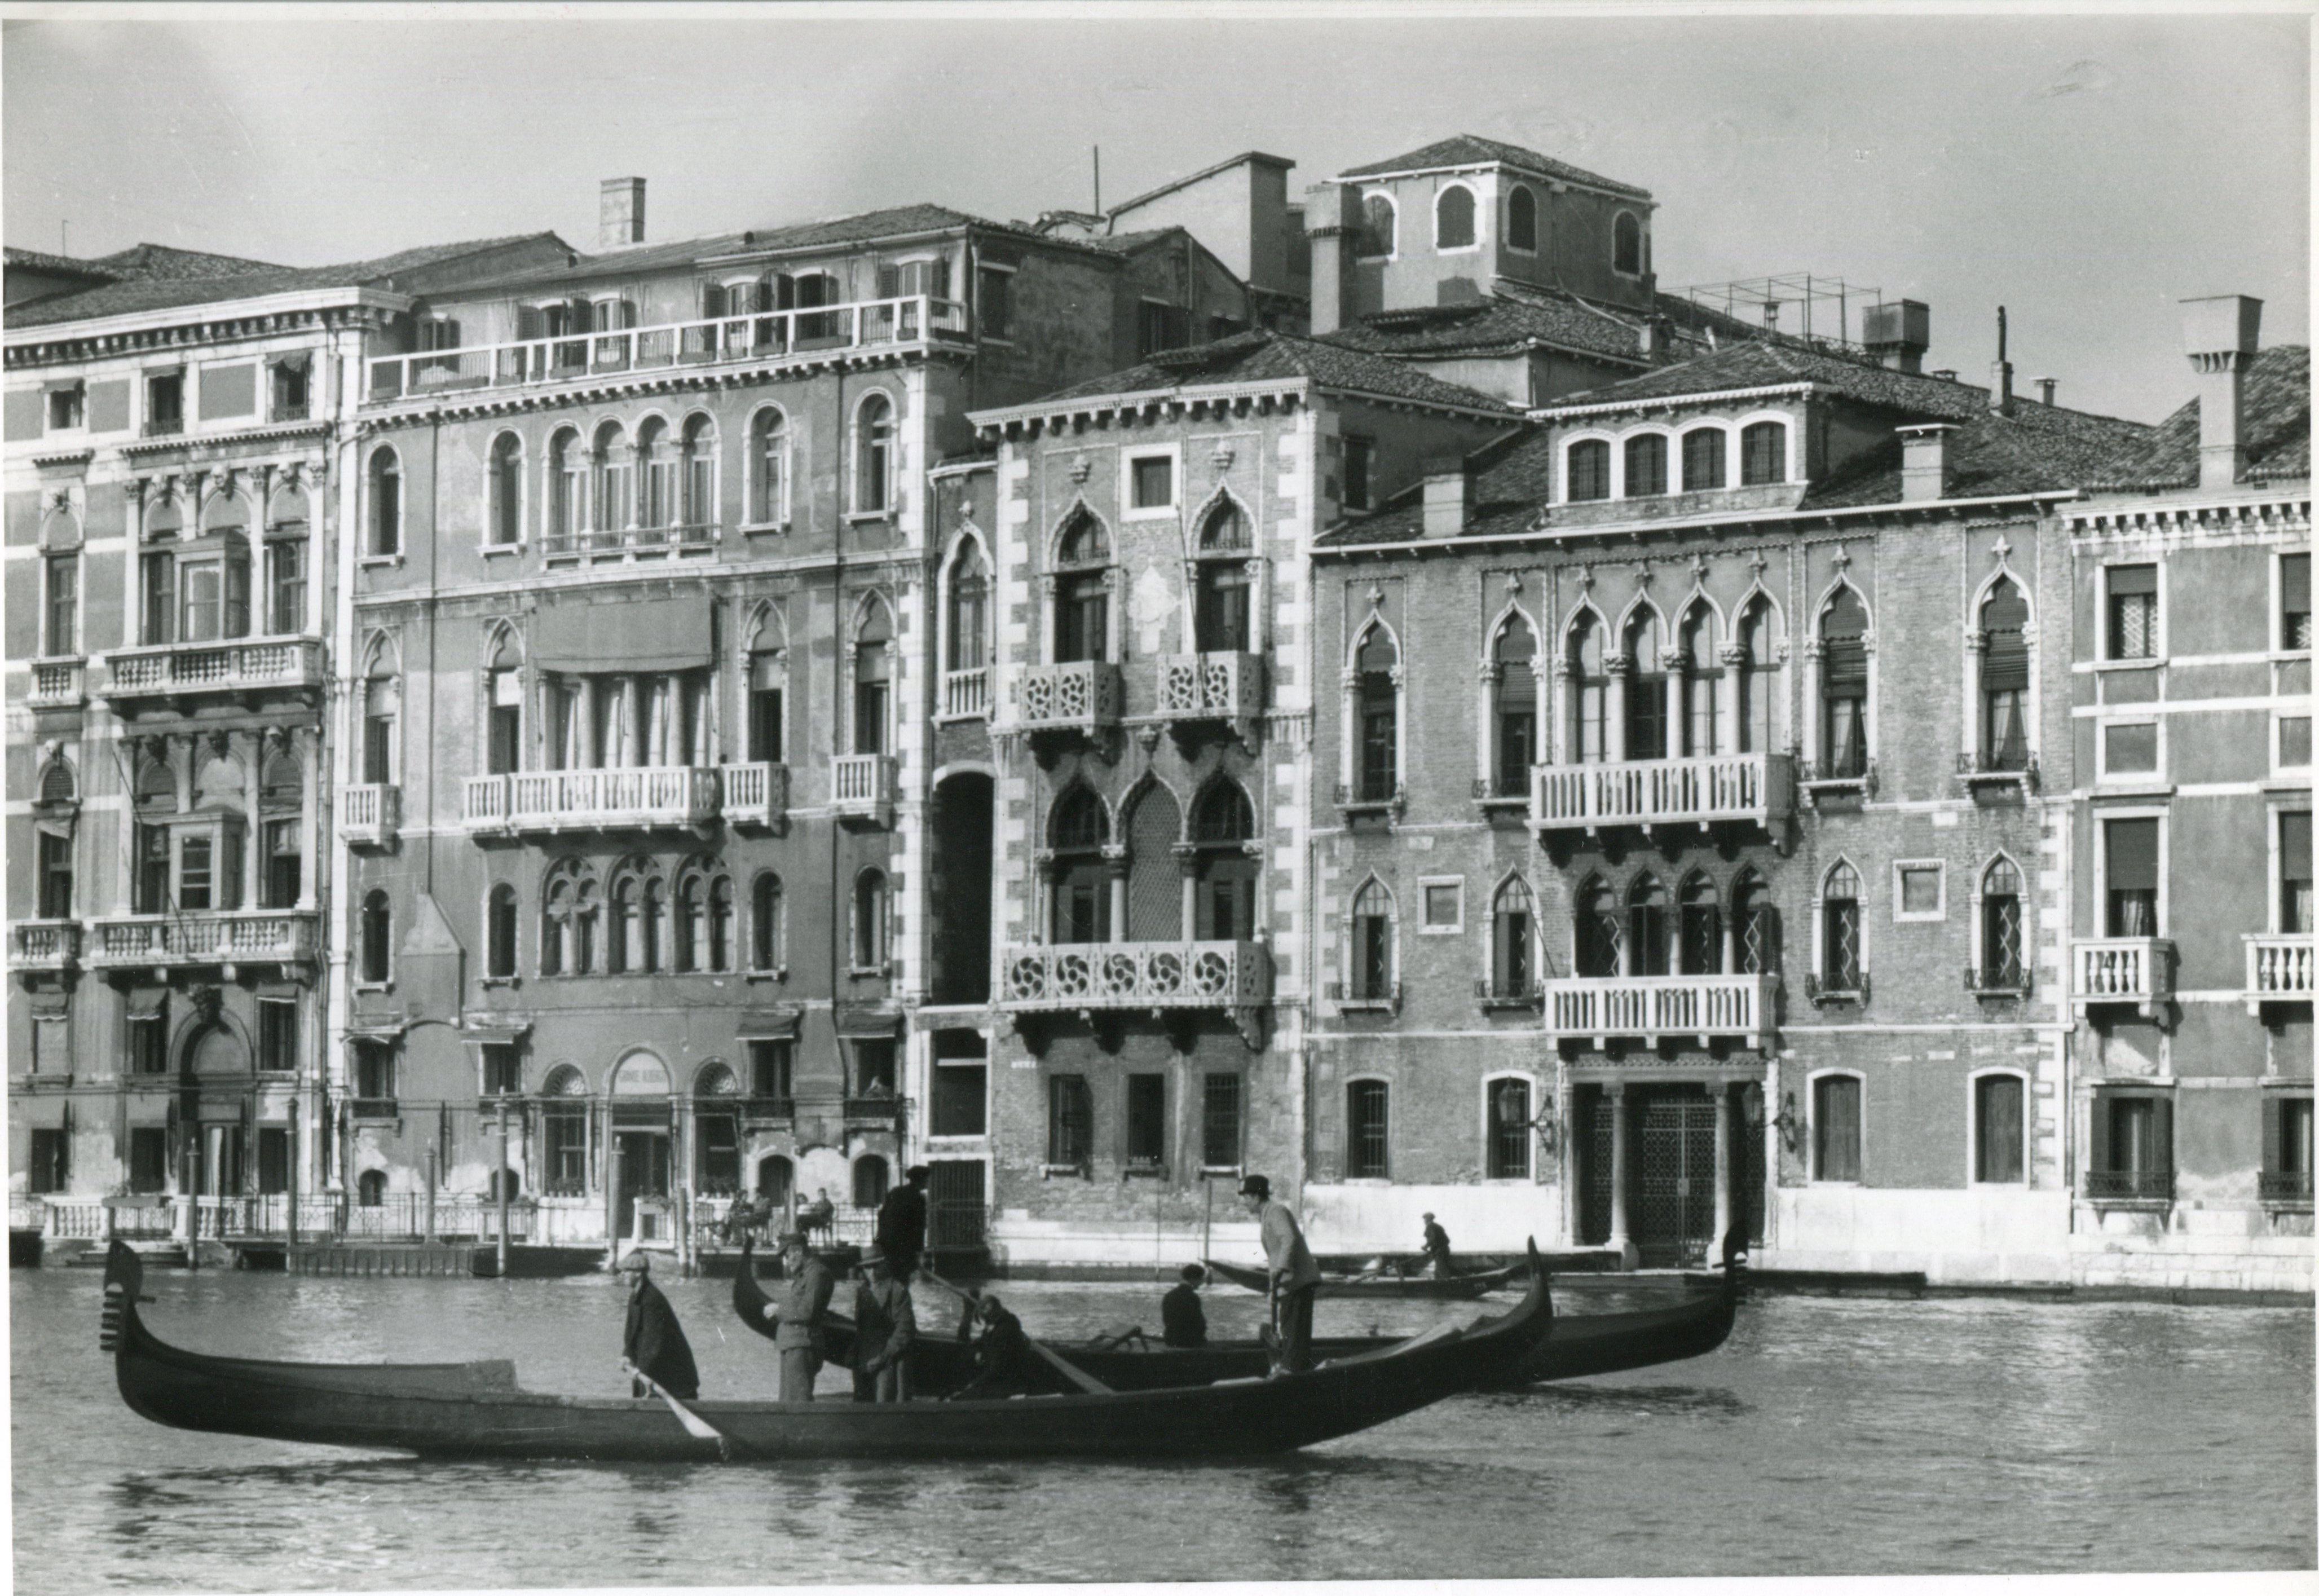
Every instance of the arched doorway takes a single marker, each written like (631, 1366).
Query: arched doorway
(641, 1101)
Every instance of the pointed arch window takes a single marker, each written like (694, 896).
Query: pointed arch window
(1844, 686)
(1647, 942)
(2005, 680)
(1082, 881)
(377, 944)
(1082, 592)
(1754, 926)
(765, 922)
(1377, 693)
(1225, 886)
(1590, 691)
(1702, 681)
(1841, 953)
(870, 909)
(768, 691)
(503, 520)
(1601, 931)
(1522, 219)
(500, 933)
(1514, 713)
(873, 666)
(1646, 687)
(769, 469)
(1453, 219)
(1758, 688)
(382, 709)
(1371, 971)
(970, 609)
(1513, 942)
(1700, 932)
(1221, 608)
(2003, 944)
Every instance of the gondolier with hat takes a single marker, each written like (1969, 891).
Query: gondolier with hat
(1292, 1277)
(902, 1222)
(885, 1327)
(1437, 1250)
(653, 1343)
(807, 1286)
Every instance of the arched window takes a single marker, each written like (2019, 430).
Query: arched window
(1835, 1128)
(1371, 965)
(377, 939)
(624, 948)
(385, 502)
(873, 679)
(1377, 693)
(1647, 687)
(1758, 682)
(370, 1188)
(1513, 938)
(565, 497)
(1702, 676)
(1702, 931)
(1220, 610)
(1844, 685)
(288, 564)
(769, 469)
(2003, 947)
(720, 922)
(1453, 217)
(569, 906)
(1840, 930)
(503, 520)
(1703, 459)
(2005, 680)
(1627, 245)
(1998, 1129)
(1764, 453)
(765, 922)
(776, 1182)
(1513, 708)
(1508, 1134)
(1586, 470)
(768, 695)
(1155, 880)
(698, 508)
(691, 923)
(1590, 689)
(1368, 1135)
(1224, 896)
(1601, 931)
(1380, 231)
(1522, 219)
(968, 640)
(651, 920)
(1646, 465)
(869, 937)
(1754, 925)
(873, 455)
(1076, 834)
(610, 468)
(656, 494)
(563, 1133)
(58, 784)
(1082, 592)
(871, 1180)
(499, 933)
(1647, 942)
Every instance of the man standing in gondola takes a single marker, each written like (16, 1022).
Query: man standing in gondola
(902, 1222)
(1437, 1250)
(652, 1342)
(807, 1286)
(885, 1326)
(1294, 1277)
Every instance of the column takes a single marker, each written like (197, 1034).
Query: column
(1563, 723)
(132, 619)
(253, 849)
(1727, 702)
(1614, 712)
(310, 833)
(1187, 862)
(632, 732)
(319, 549)
(1614, 1098)
(1723, 1207)
(1114, 865)
(124, 881)
(1976, 655)
(590, 753)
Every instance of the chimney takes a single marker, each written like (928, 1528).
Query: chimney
(1925, 463)
(2045, 386)
(2220, 336)
(2000, 375)
(1332, 217)
(1897, 335)
(620, 220)
(1448, 495)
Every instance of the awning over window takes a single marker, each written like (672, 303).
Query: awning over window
(2133, 855)
(634, 634)
(149, 1005)
(768, 1025)
(867, 1020)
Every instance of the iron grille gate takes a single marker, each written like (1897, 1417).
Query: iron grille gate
(954, 1206)
(1674, 1191)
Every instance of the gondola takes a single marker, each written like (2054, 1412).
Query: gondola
(1447, 1288)
(1589, 1344)
(189, 1390)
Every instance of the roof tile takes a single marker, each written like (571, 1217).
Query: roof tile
(1471, 150)
(1279, 357)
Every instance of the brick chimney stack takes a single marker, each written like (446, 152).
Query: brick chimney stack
(621, 218)
(1925, 463)
(1448, 496)
(1333, 218)
(2220, 335)
(2000, 376)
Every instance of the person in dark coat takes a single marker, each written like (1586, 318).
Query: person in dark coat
(1437, 1250)
(1183, 1321)
(885, 1327)
(1004, 1365)
(902, 1222)
(653, 1343)
(796, 1310)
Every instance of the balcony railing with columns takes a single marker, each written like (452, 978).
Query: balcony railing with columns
(368, 814)
(754, 794)
(966, 694)
(56, 684)
(44, 944)
(1647, 1008)
(1211, 686)
(183, 670)
(2127, 970)
(862, 786)
(630, 798)
(626, 541)
(2278, 969)
(802, 335)
(1082, 696)
(1074, 975)
(1750, 788)
(200, 937)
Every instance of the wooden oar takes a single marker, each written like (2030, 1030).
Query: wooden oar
(1069, 1371)
(697, 1427)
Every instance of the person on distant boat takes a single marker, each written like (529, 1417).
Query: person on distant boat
(1295, 1279)
(1437, 1250)
(1003, 1362)
(807, 1286)
(652, 1342)
(1183, 1321)
(819, 1217)
(885, 1326)
(902, 1222)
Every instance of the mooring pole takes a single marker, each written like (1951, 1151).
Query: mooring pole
(295, 1110)
(431, 1197)
(501, 1183)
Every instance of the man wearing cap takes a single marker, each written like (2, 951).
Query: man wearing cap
(902, 1222)
(1183, 1322)
(1294, 1277)
(652, 1342)
(885, 1325)
(807, 1286)
(1437, 1249)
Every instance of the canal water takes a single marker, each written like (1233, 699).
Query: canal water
(1829, 1435)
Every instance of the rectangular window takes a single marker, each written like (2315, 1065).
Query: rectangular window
(1703, 459)
(2293, 741)
(152, 894)
(2133, 1148)
(62, 622)
(1220, 1122)
(564, 1133)
(873, 1067)
(2130, 859)
(148, 1045)
(2287, 1149)
(1147, 1120)
(56, 873)
(278, 1034)
(1070, 1120)
(195, 876)
(2134, 612)
(1365, 1131)
(869, 717)
(770, 1062)
(289, 383)
(2130, 749)
(165, 404)
(1372, 958)
(149, 1159)
(2295, 601)
(160, 598)
(273, 1160)
(1445, 905)
(283, 865)
(51, 1047)
(962, 1096)
(505, 753)
(1508, 1150)
(1153, 479)
(378, 749)
(1359, 454)
(1160, 326)
(50, 1166)
(1998, 1125)
(503, 1069)
(2295, 906)
(1835, 1128)
(994, 294)
(66, 407)
(374, 1076)
(286, 586)
(1920, 892)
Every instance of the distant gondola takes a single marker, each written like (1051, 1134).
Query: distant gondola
(1449, 1288)
(377, 1409)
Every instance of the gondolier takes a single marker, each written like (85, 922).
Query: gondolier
(885, 1328)
(1437, 1249)
(902, 1222)
(653, 1342)
(1292, 1276)
(807, 1286)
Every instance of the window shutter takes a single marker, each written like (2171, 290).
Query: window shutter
(2270, 1133)
(941, 290)
(712, 301)
(583, 317)
(627, 313)
(777, 293)
(2295, 845)
(530, 323)
(2133, 849)
(889, 282)
(2163, 1153)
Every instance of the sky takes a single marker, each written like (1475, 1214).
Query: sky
(2087, 172)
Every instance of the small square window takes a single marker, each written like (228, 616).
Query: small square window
(1445, 905)
(1921, 892)
(1154, 482)
(65, 408)
(2130, 749)
(2293, 741)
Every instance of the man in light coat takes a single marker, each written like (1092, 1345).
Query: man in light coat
(1293, 1276)
(807, 1286)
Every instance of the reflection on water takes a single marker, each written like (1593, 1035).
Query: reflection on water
(1830, 1436)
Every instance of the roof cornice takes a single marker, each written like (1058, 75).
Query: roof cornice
(1557, 412)
(1091, 405)
(1554, 179)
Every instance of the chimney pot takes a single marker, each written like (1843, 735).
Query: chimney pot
(1448, 496)
(620, 216)
(1945, 376)
(2045, 386)
(2221, 334)
(1925, 463)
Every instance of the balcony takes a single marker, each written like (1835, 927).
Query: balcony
(368, 814)
(178, 672)
(1988, 775)
(1080, 697)
(1196, 687)
(640, 797)
(874, 1111)
(966, 694)
(2130, 1185)
(2289, 1189)
(198, 938)
(627, 542)
(1086, 977)
(768, 1111)
(1750, 789)
(861, 788)
(803, 336)
(2125, 970)
(56, 684)
(2277, 970)
(43, 945)
(754, 795)
(1646, 1008)
(1493, 992)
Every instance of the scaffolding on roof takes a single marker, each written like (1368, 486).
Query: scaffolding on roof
(1815, 300)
